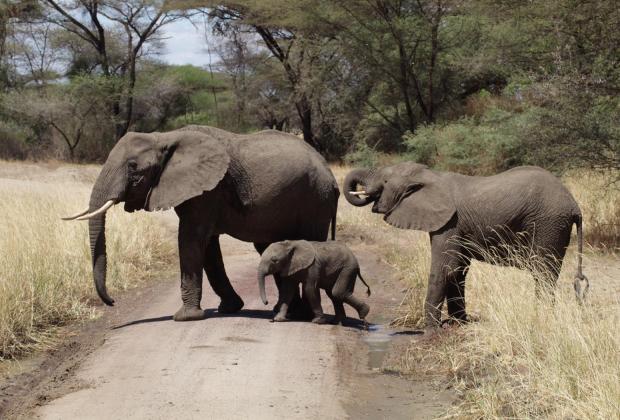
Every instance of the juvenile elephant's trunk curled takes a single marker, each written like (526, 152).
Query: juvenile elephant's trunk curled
(353, 179)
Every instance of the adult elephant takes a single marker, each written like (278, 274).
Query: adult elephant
(260, 188)
(484, 218)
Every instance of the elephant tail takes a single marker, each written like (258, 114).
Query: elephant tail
(359, 274)
(580, 277)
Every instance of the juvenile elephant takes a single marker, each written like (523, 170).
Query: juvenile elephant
(474, 217)
(260, 188)
(330, 266)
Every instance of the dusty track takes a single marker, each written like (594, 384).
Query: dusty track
(135, 362)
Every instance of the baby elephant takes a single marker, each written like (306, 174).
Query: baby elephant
(327, 265)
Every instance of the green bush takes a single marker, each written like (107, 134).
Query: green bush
(476, 146)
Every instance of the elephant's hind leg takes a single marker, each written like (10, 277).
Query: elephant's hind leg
(216, 274)
(339, 311)
(343, 291)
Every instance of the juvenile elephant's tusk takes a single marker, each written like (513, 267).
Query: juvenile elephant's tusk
(103, 209)
(358, 193)
(75, 216)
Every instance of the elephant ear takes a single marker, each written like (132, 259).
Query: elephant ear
(426, 203)
(302, 256)
(192, 163)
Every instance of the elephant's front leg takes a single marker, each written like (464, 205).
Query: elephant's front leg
(287, 291)
(216, 274)
(311, 292)
(435, 295)
(191, 254)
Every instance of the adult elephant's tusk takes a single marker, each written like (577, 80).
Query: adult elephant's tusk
(358, 193)
(75, 216)
(102, 209)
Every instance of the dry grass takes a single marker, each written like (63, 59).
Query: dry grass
(524, 357)
(45, 268)
(600, 205)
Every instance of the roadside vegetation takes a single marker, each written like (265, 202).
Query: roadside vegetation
(45, 264)
(522, 357)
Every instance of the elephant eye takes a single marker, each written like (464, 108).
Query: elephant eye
(132, 164)
(274, 259)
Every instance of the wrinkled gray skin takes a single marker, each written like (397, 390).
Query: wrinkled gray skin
(469, 217)
(316, 265)
(260, 188)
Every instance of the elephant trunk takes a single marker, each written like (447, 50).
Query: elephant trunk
(109, 186)
(353, 179)
(262, 273)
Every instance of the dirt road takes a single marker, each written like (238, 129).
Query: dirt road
(135, 362)
(238, 366)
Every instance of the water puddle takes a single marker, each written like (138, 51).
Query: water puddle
(378, 340)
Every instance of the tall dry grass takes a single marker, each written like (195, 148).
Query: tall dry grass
(524, 357)
(600, 205)
(45, 267)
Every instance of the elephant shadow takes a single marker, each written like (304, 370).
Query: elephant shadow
(209, 313)
(244, 313)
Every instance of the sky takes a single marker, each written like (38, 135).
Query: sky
(185, 44)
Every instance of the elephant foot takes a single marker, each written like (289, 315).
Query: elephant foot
(338, 320)
(279, 318)
(231, 305)
(189, 314)
(452, 322)
(319, 320)
(363, 311)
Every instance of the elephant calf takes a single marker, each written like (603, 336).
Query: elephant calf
(327, 265)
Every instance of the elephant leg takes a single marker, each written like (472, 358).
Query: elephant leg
(216, 274)
(343, 291)
(455, 294)
(312, 293)
(298, 309)
(339, 311)
(191, 253)
(445, 262)
(546, 277)
(550, 244)
(287, 291)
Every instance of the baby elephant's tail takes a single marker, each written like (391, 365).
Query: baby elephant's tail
(359, 274)
(579, 277)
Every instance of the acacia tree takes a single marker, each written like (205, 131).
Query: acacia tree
(281, 39)
(97, 23)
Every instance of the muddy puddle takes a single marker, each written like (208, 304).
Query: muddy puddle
(379, 339)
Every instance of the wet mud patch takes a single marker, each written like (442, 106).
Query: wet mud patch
(366, 358)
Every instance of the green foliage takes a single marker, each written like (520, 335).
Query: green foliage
(474, 146)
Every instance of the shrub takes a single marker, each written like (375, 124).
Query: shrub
(487, 145)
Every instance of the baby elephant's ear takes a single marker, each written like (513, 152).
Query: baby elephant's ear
(302, 256)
